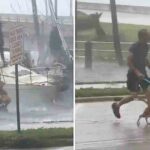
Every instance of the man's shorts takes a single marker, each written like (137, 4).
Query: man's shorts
(134, 84)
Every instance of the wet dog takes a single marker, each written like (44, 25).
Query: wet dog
(146, 115)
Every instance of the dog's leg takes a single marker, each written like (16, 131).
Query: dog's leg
(148, 123)
(138, 121)
(146, 120)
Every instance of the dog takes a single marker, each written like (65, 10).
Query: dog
(146, 115)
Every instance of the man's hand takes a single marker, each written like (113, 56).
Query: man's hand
(140, 76)
(132, 67)
(147, 63)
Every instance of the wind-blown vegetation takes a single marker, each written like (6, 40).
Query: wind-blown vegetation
(36, 138)
(92, 92)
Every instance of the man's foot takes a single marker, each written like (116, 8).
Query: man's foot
(115, 109)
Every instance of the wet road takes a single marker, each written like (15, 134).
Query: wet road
(100, 73)
(40, 114)
(98, 129)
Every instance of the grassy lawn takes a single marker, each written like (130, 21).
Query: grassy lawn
(36, 138)
(92, 92)
(128, 33)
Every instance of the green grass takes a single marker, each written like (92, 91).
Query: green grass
(128, 33)
(36, 138)
(92, 92)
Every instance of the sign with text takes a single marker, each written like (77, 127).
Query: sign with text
(16, 44)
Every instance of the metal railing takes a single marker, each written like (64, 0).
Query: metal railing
(44, 71)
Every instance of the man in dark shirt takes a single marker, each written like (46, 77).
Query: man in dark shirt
(137, 62)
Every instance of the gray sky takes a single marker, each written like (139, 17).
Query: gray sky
(24, 6)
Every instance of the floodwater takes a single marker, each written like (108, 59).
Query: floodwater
(126, 18)
(41, 114)
(98, 129)
(100, 86)
(101, 72)
(121, 2)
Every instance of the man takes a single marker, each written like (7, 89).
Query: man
(137, 62)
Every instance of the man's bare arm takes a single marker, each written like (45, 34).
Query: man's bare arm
(147, 63)
(132, 67)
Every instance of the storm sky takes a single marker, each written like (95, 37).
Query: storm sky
(24, 7)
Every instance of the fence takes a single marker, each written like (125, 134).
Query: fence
(102, 51)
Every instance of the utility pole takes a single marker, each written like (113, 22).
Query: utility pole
(71, 8)
(116, 32)
(56, 8)
(37, 27)
(76, 23)
(35, 18)
(46, 7)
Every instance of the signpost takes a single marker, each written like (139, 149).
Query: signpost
(16, 51)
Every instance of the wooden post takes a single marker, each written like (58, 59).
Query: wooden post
(88, 55)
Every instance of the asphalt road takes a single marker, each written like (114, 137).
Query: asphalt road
(98, 129)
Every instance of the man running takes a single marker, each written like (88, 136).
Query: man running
(137, 62)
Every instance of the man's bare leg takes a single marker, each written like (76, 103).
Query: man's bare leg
(128, 99)
(147, 94)
(116, 106)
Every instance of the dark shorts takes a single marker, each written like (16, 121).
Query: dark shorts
(134, 84)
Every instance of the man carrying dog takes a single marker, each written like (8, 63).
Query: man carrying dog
(137, 62)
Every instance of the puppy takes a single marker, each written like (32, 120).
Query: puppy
(146, 115)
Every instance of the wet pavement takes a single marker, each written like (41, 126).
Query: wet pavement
(100, 86)
(101, 72)
(98, 129)
(114, 72)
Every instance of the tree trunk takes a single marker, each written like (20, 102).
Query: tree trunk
(116, 32)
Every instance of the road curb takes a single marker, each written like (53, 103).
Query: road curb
(101, 98)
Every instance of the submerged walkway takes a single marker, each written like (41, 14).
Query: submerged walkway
(98, 129)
